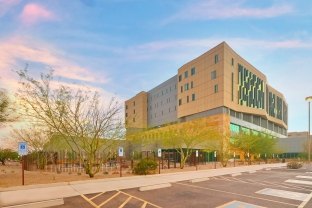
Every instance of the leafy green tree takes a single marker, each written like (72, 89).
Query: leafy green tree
(253, 143)
(183, 137)
(6, 154)
(79, 117)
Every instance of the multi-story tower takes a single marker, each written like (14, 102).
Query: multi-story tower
(219, 87)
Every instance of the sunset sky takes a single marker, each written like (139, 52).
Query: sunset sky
(121, 47)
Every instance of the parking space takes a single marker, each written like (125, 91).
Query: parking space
(265, 188)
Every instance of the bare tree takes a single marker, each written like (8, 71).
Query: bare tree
(78, 116)
(35, 137)
(4, 108)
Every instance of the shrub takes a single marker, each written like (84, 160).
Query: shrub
(6, 154)
(294, 165)
(145, 166)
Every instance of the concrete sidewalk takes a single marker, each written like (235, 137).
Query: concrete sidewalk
(37, 193)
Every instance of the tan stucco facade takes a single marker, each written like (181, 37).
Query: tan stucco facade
(206, 96)
(220, 82)
(135, 111)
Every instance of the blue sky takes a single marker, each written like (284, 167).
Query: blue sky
(121, 47)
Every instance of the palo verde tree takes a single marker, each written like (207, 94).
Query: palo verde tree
(79, 117)
(183, 137)
(253, 143)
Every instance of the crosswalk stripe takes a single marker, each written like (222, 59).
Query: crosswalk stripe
(299, 182)
(306, 177)
(283, 194)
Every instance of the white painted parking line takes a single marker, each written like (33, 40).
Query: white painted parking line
(299, 182)
(233, 204)
(306, 177)
(283, 194)
(237, 194)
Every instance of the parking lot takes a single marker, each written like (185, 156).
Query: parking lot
(265, 188)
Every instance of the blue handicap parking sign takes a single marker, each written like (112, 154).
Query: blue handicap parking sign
(22, 148)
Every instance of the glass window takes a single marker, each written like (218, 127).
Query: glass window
(180, 78)
(213, 74)
(133, 119)
(192, 84)
(232, 62)
(193, 71)
(134, 111)
(216, 58)
(126, 107)
(180, 101)
(126, 114)
(186, 86)
(133, 103)
(187, 99)
(234, 128)
(193, 97)
(181, 88)
(216, 88)
(185, 74)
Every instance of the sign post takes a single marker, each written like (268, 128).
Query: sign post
(22, 151)
(215, 156)
(120, 154)
(159, 156)
(196, 159)
(248, 158)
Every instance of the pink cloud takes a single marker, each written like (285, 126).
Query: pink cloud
(15, 52)
(34, 13)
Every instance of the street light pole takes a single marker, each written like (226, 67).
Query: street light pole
(309, 141)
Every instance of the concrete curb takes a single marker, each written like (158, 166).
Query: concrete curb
(153, 187)
(252, 171)
(236, 174)
(40, 204)
(199, 180)
(15, 188)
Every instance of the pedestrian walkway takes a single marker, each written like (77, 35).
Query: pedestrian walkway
(39, 193)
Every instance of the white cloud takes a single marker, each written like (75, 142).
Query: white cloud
(225, 9)
(182, 50)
